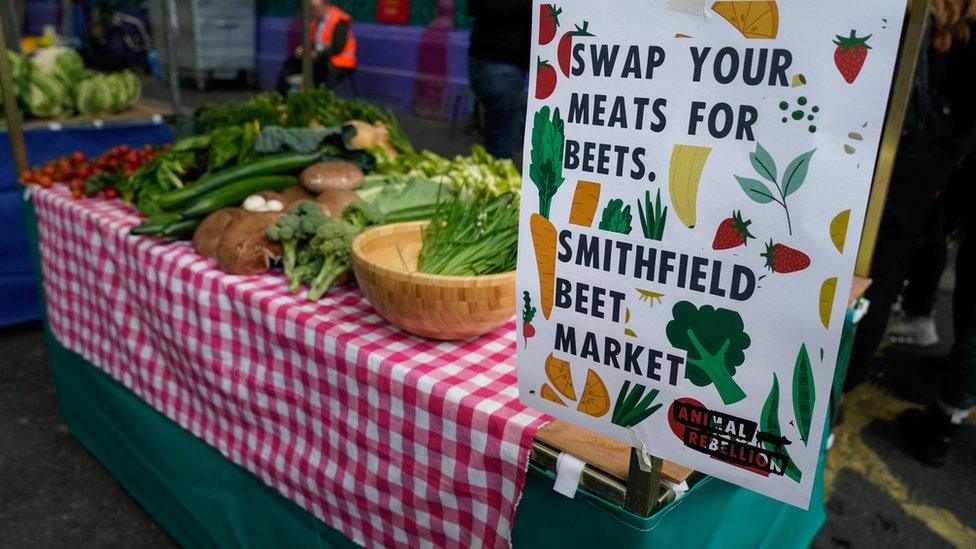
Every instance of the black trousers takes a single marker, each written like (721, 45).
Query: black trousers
(323, 73)
(921, 172)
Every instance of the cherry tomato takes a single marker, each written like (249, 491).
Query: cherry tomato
(128, 171)
(97, 171)
(132, 157)
(77, 194)
(83, 172)
(111, 192)
(27, 176)
(77, 157)
(45, 181)
(48, 171)
(124, 149)
(112, 164)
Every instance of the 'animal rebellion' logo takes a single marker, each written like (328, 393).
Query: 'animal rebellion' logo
(728, 438)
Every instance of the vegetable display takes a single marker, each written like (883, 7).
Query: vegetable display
(478, 174)
(715, 340)
(88, 177)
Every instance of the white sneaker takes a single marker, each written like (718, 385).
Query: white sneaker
(918, 331)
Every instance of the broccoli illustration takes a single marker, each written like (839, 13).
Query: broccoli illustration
(715, 340)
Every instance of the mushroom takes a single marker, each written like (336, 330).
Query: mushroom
(336, 200)
(294, 194)
(244, 249)
(370, 135)
(323, 176)
(207, 235)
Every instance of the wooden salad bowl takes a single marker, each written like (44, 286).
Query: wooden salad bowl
(433, 306)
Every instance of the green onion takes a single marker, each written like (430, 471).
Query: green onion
(471, 238)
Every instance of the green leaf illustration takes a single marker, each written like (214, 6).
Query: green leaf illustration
(804, 393)
(796, 173)
(763, 163)
(756, 190)
(769, 423)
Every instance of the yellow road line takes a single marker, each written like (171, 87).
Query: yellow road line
(862, 406)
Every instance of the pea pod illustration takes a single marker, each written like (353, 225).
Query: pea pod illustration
(769, 423)
(804, 393)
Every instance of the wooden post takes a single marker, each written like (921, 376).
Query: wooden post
(901, 94)
(172, 72)
(643, 488)
(308, 82)
(15, 124)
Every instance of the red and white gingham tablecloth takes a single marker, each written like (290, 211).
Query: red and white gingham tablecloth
(391, 439)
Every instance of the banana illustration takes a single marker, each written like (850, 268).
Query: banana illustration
(838, 229)
(828, 291)
(687, 164)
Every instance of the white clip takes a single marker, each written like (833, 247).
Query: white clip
(691, 7)
(568, 472)
(643, 457)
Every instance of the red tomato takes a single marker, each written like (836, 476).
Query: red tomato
(48, 171)
(112, 165)
(128, 171)
(77, 194)
(124, 149)
(147, 148)
(83, 172)
(111, 192)
(97, 171)
(27, 176)
(77, 157)
(45, 181)
(132, 157)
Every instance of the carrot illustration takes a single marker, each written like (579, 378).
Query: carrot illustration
(585, 203)
(546, 172)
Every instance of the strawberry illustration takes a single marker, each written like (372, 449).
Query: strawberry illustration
(565, 48)
(732, 233)
(782, 259)
(548, 23)
(850, 55)
(545, 80)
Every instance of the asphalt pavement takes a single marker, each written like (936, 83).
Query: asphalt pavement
(54, 494)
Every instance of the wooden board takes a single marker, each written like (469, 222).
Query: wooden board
(141, 111)
(860, 286)
(605, 454)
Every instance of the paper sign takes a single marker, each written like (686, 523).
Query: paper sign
(694, 193)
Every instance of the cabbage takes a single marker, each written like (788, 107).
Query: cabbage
(133, 88)
(20, 71)
(117, 89)
(65, 64)
(45, 97)
(93, 96)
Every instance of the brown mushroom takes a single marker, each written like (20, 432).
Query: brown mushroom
(336, 200)
(244, 249)
(294, 194)
(323, 176)
(207, 235)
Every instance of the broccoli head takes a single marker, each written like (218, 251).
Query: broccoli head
(332, 245)
(362, 215)
(297, 226)
(715, 340)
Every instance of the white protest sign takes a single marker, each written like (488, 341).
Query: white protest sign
(695, 188)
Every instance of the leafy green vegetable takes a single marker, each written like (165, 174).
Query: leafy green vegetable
(471, 238)
(225, 147)
(715, 340)
(653, 217)
(629, 409)
(546, 168)
(617, 218)
(399, 201)
(477, 175)
(362, 215)
(274, 139)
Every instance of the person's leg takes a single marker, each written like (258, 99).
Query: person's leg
(916, 325)
(336, 75)
(929, 433)
(918, 175)
(500, 88)
(292, 65)
(321, 66)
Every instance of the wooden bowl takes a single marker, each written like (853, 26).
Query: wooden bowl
(433, 306)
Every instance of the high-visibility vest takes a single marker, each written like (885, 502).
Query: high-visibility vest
(322, 31)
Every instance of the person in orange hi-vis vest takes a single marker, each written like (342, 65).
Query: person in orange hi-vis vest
(333, 49)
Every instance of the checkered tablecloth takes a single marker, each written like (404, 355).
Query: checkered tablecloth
(391, 439)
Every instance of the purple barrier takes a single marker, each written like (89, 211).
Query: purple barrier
(388, 70)
(38, 14)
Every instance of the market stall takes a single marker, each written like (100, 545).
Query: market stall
(244, 405)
